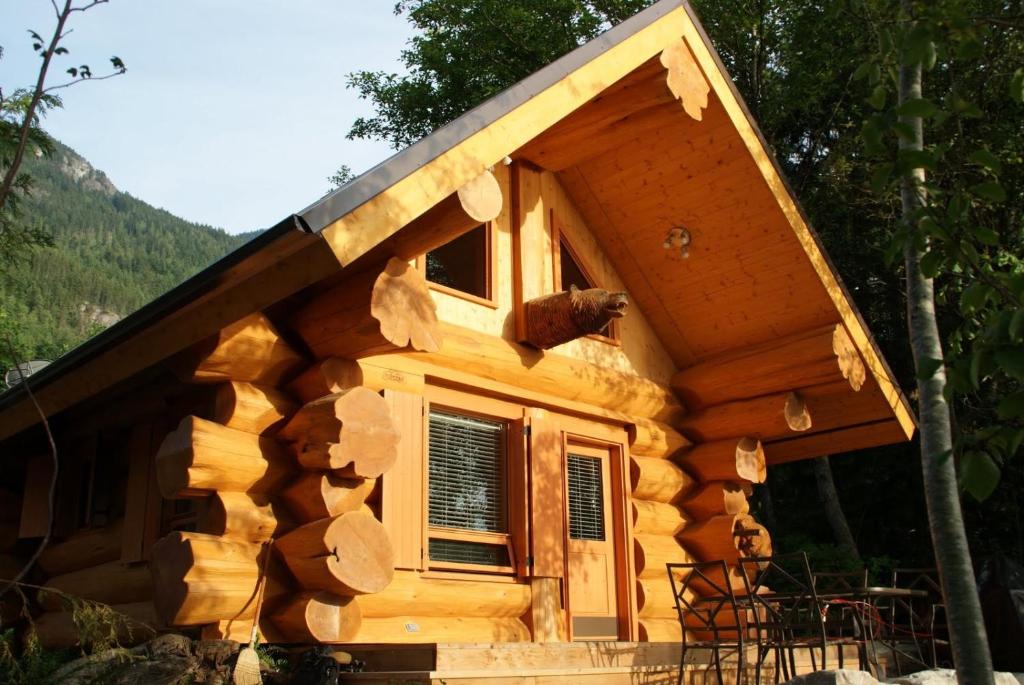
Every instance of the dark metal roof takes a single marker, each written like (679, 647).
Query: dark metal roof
(330, 208)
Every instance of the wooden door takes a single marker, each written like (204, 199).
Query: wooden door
(590, 545)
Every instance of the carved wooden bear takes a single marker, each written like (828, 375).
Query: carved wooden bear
(558, 318)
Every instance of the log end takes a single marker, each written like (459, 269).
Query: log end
(402, 304)
(750, 461)
(481, 198)
(798, 417)
(320, 617)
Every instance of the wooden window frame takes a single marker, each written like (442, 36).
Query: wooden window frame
(490, 275)
(558, 238)
(455, 401)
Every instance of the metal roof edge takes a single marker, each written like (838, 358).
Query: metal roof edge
(154, 311)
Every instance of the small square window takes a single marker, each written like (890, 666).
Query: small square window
(464, 264)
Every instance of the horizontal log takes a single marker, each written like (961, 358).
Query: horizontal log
(726, 537)
(657, 518)
(713, 539)
(109, 583)
(382, 309)
(336, 374)
(716, 498)
(740, 459)
(658, 480)
(821, 355)
(496, 359)
(134, 623)
(654, 598)
(351, 432)
(251, 408)
(249, 350)
(770, 416)
(201, 455)
(204, 578)
(444, 597)
(660, 629)
(348, 554)
(317, 617)
(652, 552)
(240, 516)
(85, 548)
(432, 629)
(316, 495)
(874, 434)
(653, 439)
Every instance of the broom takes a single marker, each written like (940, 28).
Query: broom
(247, 667)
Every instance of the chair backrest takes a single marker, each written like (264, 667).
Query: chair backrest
(828, 582)
(926, 579)
(782, 588)
(704, 600)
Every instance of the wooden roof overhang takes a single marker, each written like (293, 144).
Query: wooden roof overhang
(756, 269)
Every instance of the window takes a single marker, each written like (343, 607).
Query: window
(467, 493)
(586, 498)
(570, 271)
(462, 267)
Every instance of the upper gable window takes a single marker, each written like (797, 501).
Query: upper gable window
(571, 273)
(463, 267)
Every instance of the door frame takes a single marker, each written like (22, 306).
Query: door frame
(622, 529)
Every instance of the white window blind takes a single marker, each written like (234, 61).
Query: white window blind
(467, 473)
(586, 498)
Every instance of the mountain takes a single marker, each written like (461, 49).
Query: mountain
(112, 253)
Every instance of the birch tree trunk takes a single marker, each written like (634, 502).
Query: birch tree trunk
(833, 509)
(949, 539)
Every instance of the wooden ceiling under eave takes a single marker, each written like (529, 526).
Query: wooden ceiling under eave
(637, 166)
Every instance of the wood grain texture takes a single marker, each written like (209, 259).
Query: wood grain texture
(348, 554)
(351, 432)
(740, 459)
(200, 456)
(318, 618)
(249, 350)
(685, 79)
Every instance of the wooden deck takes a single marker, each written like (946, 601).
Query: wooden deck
(614, 663)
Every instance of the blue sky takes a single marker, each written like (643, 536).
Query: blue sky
(232, 113)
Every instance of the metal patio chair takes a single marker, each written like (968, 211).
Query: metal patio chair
(709, 616)
(785, 609)
(841, 593)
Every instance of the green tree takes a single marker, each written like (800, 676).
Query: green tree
(465, 51)
(20, 114)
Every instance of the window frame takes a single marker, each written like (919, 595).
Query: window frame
(558, 239)
(466, 404)
(490, 271)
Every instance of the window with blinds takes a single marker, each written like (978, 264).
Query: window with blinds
(467, 490)
(586, 498)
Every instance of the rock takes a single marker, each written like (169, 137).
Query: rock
(945, 676)
(843, 676)
(169, 645)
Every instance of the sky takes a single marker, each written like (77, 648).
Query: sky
(232, 113)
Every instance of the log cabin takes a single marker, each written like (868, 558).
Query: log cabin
(459, 413)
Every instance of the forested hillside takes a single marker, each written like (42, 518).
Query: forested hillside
(112, 253)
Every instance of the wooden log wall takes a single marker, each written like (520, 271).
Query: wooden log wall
(692, 479)
(689, 503)
(281, 474)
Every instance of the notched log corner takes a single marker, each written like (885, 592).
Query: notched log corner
(555, 319)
